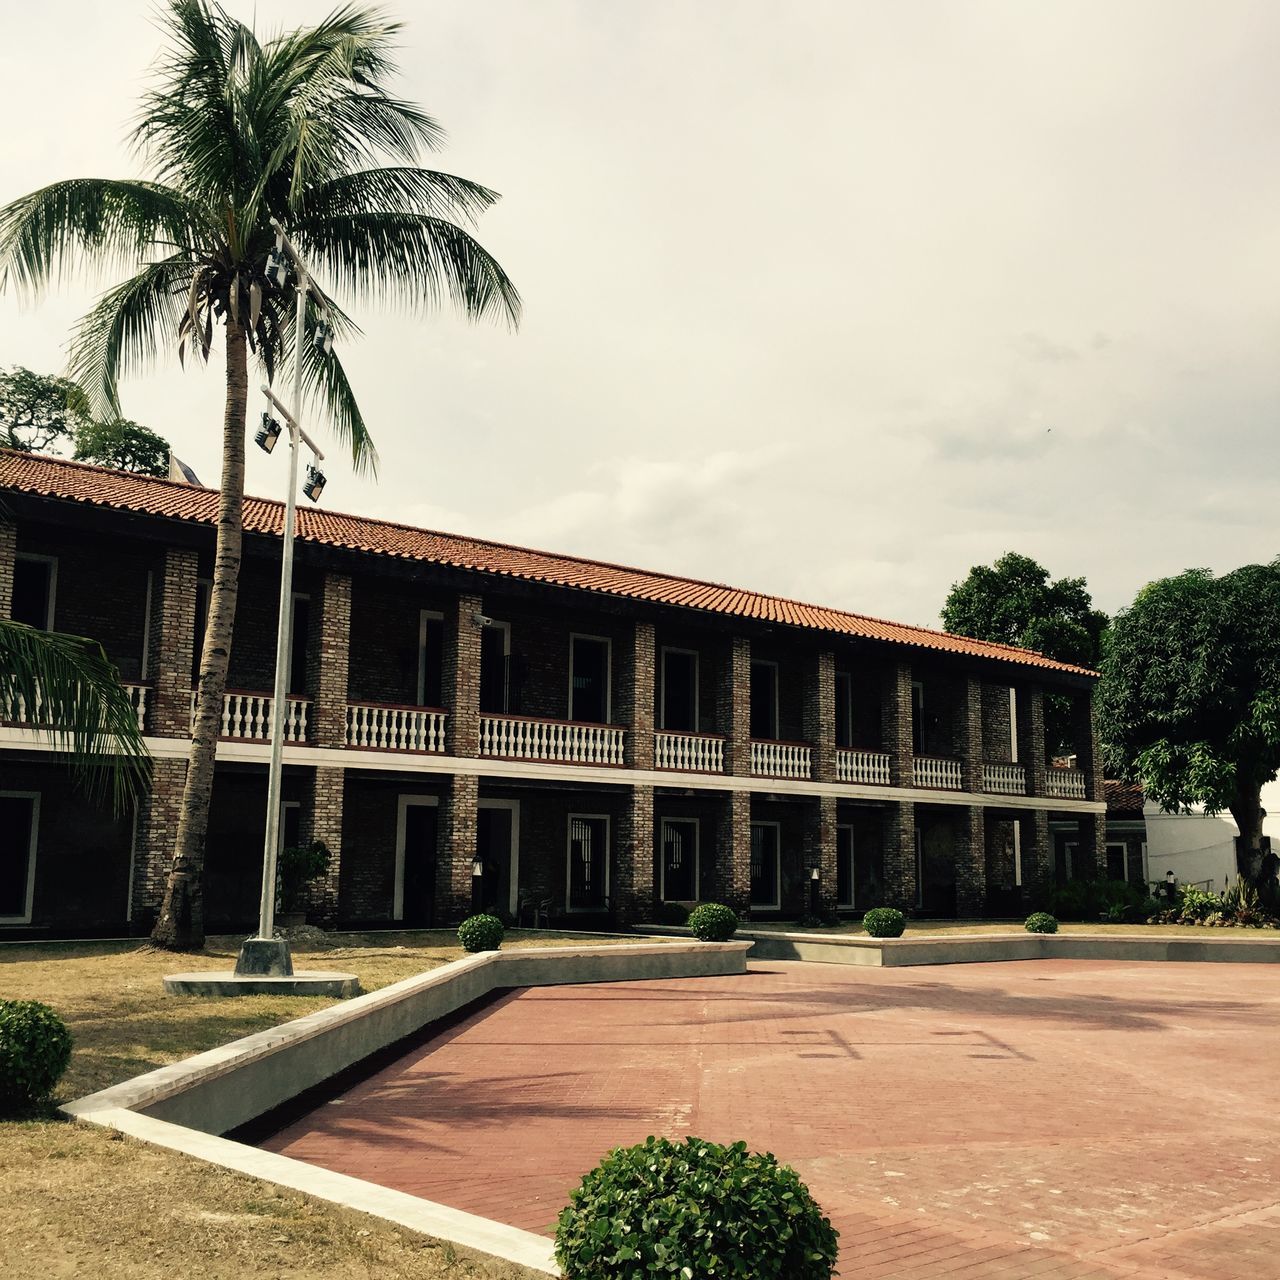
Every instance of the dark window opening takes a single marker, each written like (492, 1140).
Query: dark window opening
(844, 709)
(17, 820)
(431, 662)
(844, 867)
(589, 680)
(494, 671)
(680, 691)
(679, 860)
(764, 700)
(764, 864)
(33, 592)
(588, 863)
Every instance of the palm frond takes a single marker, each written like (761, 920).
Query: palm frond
(414, 260)
(102, 222)
(123, 331)
(397, 189)
(67, 686)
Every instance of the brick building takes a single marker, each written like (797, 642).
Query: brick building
(597, 739)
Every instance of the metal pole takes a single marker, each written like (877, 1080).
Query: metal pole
(267, 908)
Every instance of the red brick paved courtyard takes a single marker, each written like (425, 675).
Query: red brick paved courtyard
(1043, 1118)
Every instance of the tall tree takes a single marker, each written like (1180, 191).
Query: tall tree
(1014, 601)
(1190, 697)
(302, 127)
(124, 445)
(37, 411)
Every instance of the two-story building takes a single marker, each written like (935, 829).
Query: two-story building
(596, 740)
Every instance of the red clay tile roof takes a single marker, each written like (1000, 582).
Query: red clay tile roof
(97, 486)
(1123, 797)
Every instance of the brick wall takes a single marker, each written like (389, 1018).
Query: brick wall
(900, 855)
(819, 715)
(636, 681)
(995, 723)
(173, 627)
(709, 649)
(157, 831)
(456, 847)
(1031, 748)
(1091, 852)
(8, 549)
(896, 713)
(733, 704)
(633, 882)
(328, 649)
(820, 849)
(322, 819)
(969, 737)
(971, 862)
(1088, 750)
(731, 867)
(461, 680)
(1037, 857)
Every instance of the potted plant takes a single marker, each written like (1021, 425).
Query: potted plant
(296, 868)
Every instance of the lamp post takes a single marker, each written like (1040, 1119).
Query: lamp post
(815, 904)
(265, 954)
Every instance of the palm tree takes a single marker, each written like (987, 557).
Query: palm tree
(300, 127)
(71, 690)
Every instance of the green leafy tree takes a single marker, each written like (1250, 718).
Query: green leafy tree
(125, 445)
(302, 127)
(1014, 601)
(1190, 697)
(72, 690)
(37, 411)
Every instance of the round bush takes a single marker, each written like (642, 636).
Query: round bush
(693, 1209)
(1041, 922)
(713, 922)
(35, 1047)
(884, 922)
(481, 933)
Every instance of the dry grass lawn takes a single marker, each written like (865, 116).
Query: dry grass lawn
(75, 1200)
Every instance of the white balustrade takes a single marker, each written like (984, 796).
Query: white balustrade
(1004, 779)
(138, 697)
(936, 773)
(781, 759)
(1065, 784)
(690, 752)
(385, 728)
(248, 716)
(14, 709)
(863, 766)
(558, 741)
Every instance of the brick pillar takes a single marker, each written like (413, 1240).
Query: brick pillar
(1031, 748)
(158, 813)
(969, 735)
(173, 639)
(461, 682)
(971, 863)
(732, 877)
(733, 706)
(322, 820)
(1091, 848)
(328, 652)
(8, 554)
(900, 855)
(637, 673)
(1037, 859)
(456, 847)
(820, 716)
(895, 717)
(633, 885)
(1085, 740)
(820, 851)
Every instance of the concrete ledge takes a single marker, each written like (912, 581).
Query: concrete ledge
(303, 983)
(981, 948)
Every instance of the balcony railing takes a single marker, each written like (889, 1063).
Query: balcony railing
(1004, 779)
(385, 727)
(247, 716)
(781, 759)
(690, 752)
(862, 766)
(555, 741)
(15, 710)
(1064, 784)
(936, 773)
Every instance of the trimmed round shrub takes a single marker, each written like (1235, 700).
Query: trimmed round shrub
(1041, 922)
(481, 933)
(693, 1209)
(884, 922)
(35, 1047)
(713, 922)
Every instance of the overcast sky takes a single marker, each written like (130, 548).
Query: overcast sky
(833, 300)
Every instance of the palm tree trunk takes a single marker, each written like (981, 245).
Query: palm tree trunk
(180, 926)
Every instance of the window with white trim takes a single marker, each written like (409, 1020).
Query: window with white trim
(844, 867)
(587, 878)
(430, 658)
(35, 586)
(590, 662)
(679, 699)
(766, 864)
(19, 828)
(680, 859)
(764, 700)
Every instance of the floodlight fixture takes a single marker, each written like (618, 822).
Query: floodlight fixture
(315, 483)
(322, 339)
(268, 433)
(277, 268)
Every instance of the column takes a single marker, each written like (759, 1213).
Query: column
(638, 667)
(1085, 740)
(971, 863)
(322, 820)
(820, 716)
(633, 887)
(733, 706)
(820, 852)
(1091, 848)
(158, 813)
(1037, 859)
(8, 554)
(461, 681)
(900, 855)
(456, 847)
(1031, 749)
(173, 639)
(895, 715)
(970, 734)
(732, 877)
(328, 659)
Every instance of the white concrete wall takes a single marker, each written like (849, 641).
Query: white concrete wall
(1196, 847)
